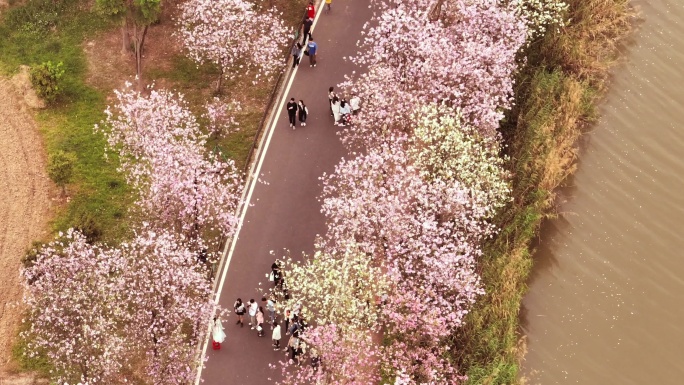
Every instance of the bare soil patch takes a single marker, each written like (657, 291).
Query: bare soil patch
(25, 204)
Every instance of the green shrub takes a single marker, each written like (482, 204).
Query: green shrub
(88, 226)
(32, 254)
(61, 168)
(45, 79)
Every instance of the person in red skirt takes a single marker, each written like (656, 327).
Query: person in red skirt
(310, 10)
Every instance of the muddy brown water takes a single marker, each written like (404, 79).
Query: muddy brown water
(606, 297)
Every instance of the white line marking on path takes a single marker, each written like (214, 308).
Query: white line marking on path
(254, 178)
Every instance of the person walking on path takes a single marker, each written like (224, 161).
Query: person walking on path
(345, 111)
(296, 54)
(286, 316)
(313, 48)
(315, 360)
(303, 112)
(260, 321)
(217, 333)
(240, 311)
(275, 336)
(328, 3)
(310, 10)
(306, 29)
(292, 112)
(335, 106)
(331, 95)
(253, 307)
(277, 275)
(293, 347)
(270, 307)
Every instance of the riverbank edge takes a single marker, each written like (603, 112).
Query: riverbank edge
(556, 98)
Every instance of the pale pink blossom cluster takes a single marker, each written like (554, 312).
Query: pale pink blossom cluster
(465, 59)
(426, 234)
(113, 315)
(234, 36)
(163, 155)
(221, 116)
(333, 346)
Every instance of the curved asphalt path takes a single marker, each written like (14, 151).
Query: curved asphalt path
(284, 211)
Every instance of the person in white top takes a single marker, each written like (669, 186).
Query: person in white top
(355, 104)
(335, 105)
(275, 336)
(253, 307)
(345, 110)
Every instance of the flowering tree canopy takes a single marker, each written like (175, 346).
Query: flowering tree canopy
(162, 152)
(221, 116)
(540, 14)
(414, 207)
(466, 58)
(232, 34)
(103, 313)
(348, 356)
(443, 148)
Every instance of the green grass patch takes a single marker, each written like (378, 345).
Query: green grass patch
(37, 363)
(46, 30)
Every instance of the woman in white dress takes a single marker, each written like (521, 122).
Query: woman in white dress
(335, 104)
(217, 333)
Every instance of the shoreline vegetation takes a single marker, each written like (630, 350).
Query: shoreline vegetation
(556, 97)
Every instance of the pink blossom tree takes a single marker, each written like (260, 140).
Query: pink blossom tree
(221, 116)
(418, 202)
(427, 233)
(168, 302)
(347, 357)
(111, 315)
(162, 149)
(465, 58)
(233, 35)
(74, 292)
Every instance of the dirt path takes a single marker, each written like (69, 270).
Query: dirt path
(25, 204)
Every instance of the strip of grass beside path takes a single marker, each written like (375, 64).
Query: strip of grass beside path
(556, 98)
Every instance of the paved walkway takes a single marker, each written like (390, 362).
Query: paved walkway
(285, 212)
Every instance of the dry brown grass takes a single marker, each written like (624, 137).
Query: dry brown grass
(587, 47)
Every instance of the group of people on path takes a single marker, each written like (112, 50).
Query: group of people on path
(342, 110)
(308, 46)
(294, 109)
(295, 324)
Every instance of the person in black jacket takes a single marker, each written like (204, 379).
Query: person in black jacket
(303, 113)
(292, 112)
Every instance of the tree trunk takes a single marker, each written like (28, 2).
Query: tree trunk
(219, 82)
(139, 41)
(125, 37)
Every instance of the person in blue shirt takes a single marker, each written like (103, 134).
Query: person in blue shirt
(312, 48)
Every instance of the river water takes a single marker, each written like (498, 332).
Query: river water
(606, 298)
